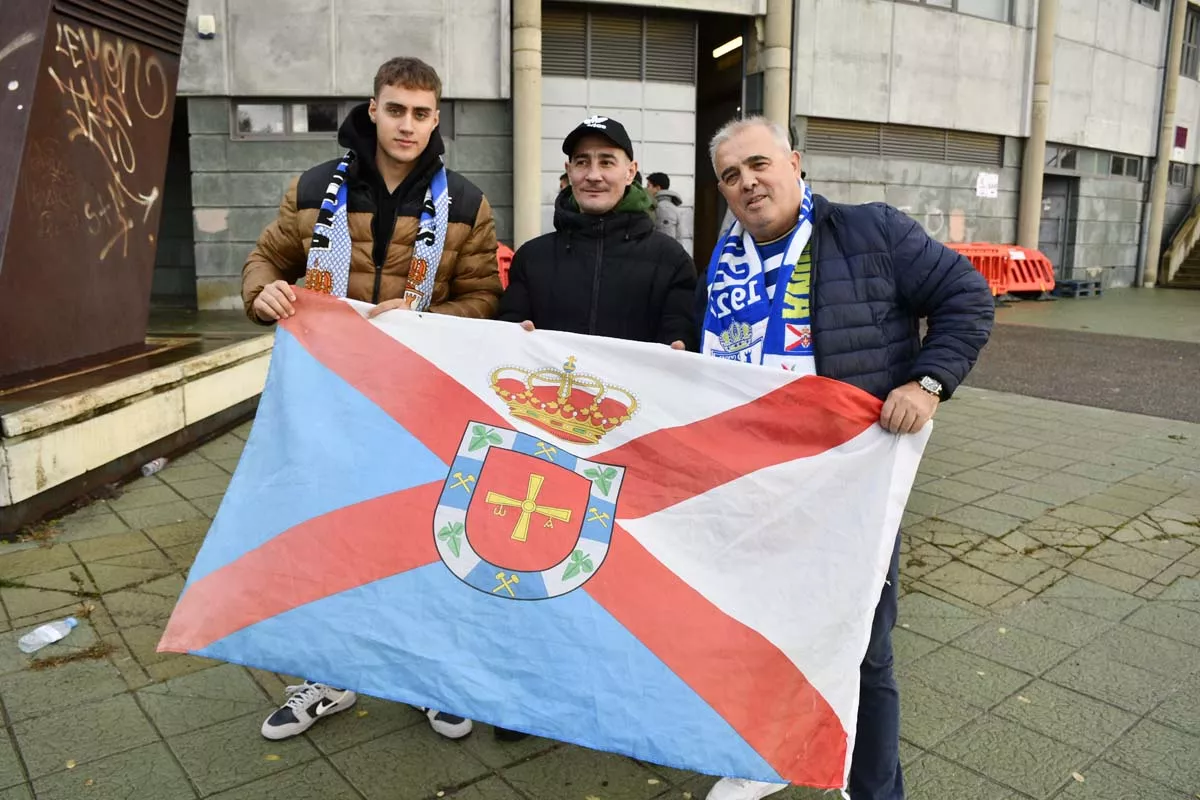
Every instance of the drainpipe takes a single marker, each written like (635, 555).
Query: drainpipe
(1033, 167)
(1166, 141)
(777, 63)
(527, 119)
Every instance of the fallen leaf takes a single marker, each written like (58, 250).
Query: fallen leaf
(979, 673)
(688, 796)
(441, 794)
(89, 782)
(71, 764)
(362, 712)
(1024, 699)
(271, 757)
(591, 797)
(1078, 778)
(652, 781)
(904, 625)
(1004, 630)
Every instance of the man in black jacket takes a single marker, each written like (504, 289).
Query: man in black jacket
(605, 270)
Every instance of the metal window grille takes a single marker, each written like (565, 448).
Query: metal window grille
(156, 23)
(618, 45)
(847, 137)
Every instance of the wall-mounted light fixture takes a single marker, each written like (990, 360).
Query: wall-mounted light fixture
(728, 47)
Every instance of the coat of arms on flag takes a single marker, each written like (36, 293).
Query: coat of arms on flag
(522, 518)
(689, 550)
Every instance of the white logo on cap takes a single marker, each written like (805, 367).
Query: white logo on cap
(596, 122)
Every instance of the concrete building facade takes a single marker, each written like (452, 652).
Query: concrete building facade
(924, 104)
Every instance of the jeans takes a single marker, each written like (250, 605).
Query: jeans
(875, 765)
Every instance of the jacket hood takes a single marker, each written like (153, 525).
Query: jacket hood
(667, 194)
(358, 133)
(633, 214)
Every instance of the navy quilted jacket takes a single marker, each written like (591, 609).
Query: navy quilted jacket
(876, 274)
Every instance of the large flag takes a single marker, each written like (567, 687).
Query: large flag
(602, 542)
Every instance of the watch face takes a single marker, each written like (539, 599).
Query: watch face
(931, 385)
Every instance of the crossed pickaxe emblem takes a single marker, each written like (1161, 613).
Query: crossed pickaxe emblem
(506, 584)
(545, 450)
(596, 515)
(463, 481)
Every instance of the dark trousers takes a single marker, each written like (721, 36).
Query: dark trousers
(875, 766)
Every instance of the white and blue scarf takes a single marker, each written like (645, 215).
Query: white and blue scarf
(329, 254)
(743, 322)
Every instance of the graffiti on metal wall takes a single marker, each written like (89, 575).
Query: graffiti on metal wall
(945, 226)
(109, 87)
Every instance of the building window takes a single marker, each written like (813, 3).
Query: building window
(308, 119)
(1148, 3)
(1126, 166)
(1180, 174)
(999, 10)
(1189, 65)
(254, 118)
(851, 138)
(618, 45)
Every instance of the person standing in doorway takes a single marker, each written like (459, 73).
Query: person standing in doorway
(666, 204)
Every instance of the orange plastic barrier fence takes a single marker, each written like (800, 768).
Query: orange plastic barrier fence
(991, 260)
(1009, 268)
(1030, 271)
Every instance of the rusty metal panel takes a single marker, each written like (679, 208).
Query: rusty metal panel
(77, 266)
(22, 28)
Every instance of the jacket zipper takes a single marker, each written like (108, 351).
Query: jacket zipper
(379, 265)
(596, 281)
(812, 299)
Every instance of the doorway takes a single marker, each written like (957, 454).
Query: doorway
(174, 284)
(1055, 238)
(720, 70)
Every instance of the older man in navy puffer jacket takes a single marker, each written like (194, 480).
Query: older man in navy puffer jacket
(837, 290)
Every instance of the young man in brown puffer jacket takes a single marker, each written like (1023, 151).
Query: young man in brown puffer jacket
(388, 180)
(385, 224)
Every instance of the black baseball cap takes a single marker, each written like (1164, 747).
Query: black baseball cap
(600, 126)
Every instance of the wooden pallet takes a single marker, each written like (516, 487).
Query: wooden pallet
(1078, 289)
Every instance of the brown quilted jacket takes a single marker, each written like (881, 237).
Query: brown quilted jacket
(467, 282)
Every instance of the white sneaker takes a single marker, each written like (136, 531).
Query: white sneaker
(306, 704)
(448, 725)
(741, 789)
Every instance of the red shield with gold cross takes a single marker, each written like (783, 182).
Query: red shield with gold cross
(522, 518)
(526, 513)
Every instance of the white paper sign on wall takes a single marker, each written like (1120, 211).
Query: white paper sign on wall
(987, 184)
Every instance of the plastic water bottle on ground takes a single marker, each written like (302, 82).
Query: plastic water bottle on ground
(153, 467)
(49, 633)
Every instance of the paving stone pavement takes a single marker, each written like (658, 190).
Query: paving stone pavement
(1048, 643)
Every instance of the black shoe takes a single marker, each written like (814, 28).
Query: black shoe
(505, 735)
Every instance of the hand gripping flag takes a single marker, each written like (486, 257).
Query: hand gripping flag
(602, 542)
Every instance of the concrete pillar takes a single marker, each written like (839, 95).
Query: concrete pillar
(527, 119)
(1166, 142)
(1033, 168)
(777, 62)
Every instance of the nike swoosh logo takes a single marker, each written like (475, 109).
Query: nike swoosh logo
(324, 705)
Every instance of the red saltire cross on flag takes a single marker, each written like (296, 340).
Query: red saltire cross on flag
(357, 544)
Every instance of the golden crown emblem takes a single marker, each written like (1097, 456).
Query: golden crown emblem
(737, 336)
(571, 405)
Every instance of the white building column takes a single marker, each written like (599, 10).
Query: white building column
(777, 63)
(527, 119)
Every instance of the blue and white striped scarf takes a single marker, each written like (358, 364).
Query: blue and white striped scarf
(329, 255)
(742, 322)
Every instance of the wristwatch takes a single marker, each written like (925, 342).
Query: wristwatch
(931, 385)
